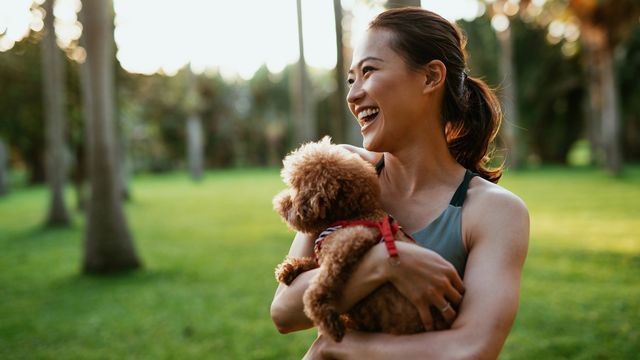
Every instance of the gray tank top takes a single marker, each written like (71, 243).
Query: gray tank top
(444, 234)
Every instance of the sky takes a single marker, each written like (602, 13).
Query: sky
(232, 37)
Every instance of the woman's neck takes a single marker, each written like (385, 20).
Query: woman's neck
(423, 164)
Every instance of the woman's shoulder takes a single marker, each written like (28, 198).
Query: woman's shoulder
(490, 209)
(483, 193)
(369, 156)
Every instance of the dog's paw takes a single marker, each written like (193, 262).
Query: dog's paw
(285, 273)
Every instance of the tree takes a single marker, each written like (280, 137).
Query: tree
(4, 182)
(603, 26)
(22, 114)
(401, 3)
(500, 11)
(195, 136)
(54, 91)
(345, 128)
(108, 242)
(304, 124)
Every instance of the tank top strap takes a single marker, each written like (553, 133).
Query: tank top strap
(380, 165)
(461, 193)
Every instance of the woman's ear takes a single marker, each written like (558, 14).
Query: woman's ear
(434, 74)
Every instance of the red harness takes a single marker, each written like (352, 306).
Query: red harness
(387, 227)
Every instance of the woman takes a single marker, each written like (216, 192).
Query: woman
(416, 105)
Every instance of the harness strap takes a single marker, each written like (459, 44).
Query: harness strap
(387, 227)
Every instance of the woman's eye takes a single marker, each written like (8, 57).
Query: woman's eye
(366, 69)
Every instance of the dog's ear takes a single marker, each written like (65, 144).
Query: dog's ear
(282, 204)
(312, 203)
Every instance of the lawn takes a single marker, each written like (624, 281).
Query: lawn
(209, 250)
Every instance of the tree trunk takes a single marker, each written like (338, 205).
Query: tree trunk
(594, 104)
(304, 124)
(53, 73)
(195, 137)
(342, 118)
(349, 126)
(108, 243)
(509, 95)
(4, 173)
(603, 97)
(401, 3)
(610, 115)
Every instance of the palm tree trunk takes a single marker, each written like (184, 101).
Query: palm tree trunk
(349, 130)
(340, 120)
(401, 3)
(108, 242)
(195, 137)
(610, 115)
(603, 98)
(53, 73)
(4, 156)
(305, 128)
(509, 95)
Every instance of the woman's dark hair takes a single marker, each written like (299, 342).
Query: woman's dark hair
(471, 111)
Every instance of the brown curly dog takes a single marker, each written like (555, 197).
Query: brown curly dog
(327, 183)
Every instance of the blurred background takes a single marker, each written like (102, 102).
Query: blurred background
(140, 143)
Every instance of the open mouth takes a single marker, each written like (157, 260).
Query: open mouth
(367, 116)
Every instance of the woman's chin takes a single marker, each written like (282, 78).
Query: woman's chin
(370, 144)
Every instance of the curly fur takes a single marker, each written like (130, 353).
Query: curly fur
(327, 183)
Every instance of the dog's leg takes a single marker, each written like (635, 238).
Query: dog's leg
(341, 251)
(291, 267)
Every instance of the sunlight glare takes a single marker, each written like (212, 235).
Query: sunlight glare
(455, 10)
(232, 37)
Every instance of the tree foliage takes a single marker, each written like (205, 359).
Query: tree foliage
(249, 123)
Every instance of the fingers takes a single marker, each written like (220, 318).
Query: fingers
(456, 281)
(454, 298)
(447, 311)
(425, 316)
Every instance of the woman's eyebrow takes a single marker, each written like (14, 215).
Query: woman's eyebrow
(363, 60)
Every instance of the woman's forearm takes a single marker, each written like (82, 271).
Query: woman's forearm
(447, 344)
(287, 309)
(367, 276)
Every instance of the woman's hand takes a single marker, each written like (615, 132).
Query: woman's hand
(426, 279)
(421, 275)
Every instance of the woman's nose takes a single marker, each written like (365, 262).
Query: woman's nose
(355, 93)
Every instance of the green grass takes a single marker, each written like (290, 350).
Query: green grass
(209, 251)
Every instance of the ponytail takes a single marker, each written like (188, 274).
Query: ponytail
(470, 134)
(471, 112)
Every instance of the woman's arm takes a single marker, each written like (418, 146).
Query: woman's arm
(498, 248)
(441, 283)
(287, 308)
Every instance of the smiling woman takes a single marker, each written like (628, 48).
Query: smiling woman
(427, 125)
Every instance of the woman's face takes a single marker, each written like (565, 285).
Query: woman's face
(385, 96)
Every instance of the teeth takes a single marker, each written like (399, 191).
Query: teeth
(367, 112)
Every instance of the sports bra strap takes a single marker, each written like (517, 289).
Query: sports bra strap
(380, 165)
(461, 193)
